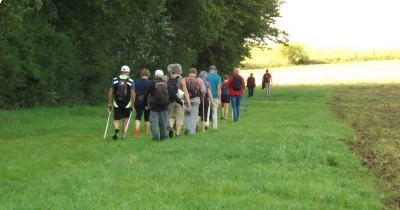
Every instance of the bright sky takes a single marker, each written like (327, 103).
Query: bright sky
(342, 24)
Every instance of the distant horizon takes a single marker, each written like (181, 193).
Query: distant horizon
(342, 24)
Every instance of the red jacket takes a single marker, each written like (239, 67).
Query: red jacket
(233, 92)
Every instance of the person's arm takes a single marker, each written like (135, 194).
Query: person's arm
(110, 98)
(184, 88)
(243, 86)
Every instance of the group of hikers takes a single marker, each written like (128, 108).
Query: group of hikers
(171, 104)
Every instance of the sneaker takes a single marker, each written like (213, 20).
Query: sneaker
(136, 133)
(171, 133)
(115, 137)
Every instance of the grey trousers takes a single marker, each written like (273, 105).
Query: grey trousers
(190, 119)
(158, 124)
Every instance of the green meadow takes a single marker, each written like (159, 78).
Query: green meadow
(288, 151)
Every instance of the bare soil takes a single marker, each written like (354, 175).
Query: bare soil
(374, 114)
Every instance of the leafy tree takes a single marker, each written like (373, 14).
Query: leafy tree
(295, 53)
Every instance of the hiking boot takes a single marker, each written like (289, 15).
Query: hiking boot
(171, 133)
(115, 137)
(136, 133)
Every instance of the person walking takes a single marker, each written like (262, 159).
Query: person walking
(251, 84)
(225, 100)
(215, 85)
(236, 85)
(142, 85)
(121, 96)
(266, 82)
(157, 102)
(196, 88)
(178, 95)
(205, 101)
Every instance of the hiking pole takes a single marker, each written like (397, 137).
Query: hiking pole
(108, 120)
(208, 113)
(127, 125)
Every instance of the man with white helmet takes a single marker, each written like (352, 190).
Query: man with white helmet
(121, 97)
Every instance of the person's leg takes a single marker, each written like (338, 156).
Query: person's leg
(154, 123)
(194, 112)
(238, 98)
(233, 103)
(226, 110)
(146, 121)
(163, 116)
(117, 118)
(172, 118)
(215, 113)
(268, 87)
(179, 118)
(139, 112)
(251, 91)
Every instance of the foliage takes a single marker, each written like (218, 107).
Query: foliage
(62, 52)
(295, 54)
(297, 159)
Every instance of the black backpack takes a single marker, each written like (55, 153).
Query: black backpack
(237, 83)
(122, 89)
(193, 86)
(173, 86)
(160, 95)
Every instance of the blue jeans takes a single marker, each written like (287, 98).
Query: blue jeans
(235, 101)
(159, 123)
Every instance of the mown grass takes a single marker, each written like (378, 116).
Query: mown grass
(288, 151)
(374, 114)
(262, 58)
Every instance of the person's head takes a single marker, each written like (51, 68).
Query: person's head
(159, 74)
(251, 74)
(226, 76)
(236, 71)
(266, 70)
(125, 69)
(175, 68)
(212, 68)
(203, 74)
(193, 71)
(145, 73)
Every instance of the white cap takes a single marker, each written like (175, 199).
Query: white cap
(159, 73)
(125, 68)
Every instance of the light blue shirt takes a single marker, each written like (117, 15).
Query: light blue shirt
(214, 79)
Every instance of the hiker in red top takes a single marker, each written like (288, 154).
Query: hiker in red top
(236, 86)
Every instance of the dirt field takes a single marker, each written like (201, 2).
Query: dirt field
(375, 72)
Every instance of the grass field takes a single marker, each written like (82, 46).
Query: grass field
(374, 114)
(273, 58)
(288, 151)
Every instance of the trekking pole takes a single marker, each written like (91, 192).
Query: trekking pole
(108, 120)
(127, 124)
(208, 113)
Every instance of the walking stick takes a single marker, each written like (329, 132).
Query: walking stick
(202, 119)
(108, 120)
(208, 113)
(127, 125)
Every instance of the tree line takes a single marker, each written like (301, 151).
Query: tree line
(63, 52)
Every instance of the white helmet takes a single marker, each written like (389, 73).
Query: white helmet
(159, 73)
(125, 68)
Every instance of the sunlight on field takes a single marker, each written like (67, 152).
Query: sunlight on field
(261, 58)
(373, 72)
